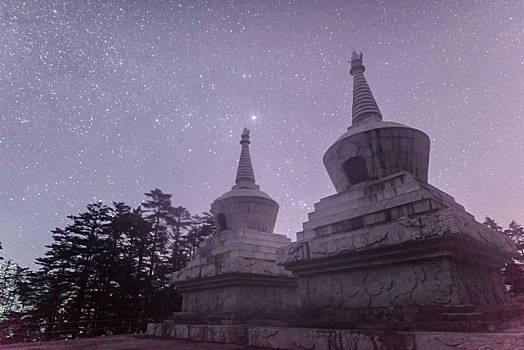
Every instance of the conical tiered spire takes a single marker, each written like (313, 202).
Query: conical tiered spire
(245, 206)
(364, 105)
(245, 174)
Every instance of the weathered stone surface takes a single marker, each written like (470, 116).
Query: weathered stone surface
(398, 244)
(235, 252)
(218, 334)
(291, 338)
(434, 282)
(324, 339)
(380, 341)
(225, 334)
(248, 297)
(231, 266)
(443, 223)
(384, 147)
(156, 329)
(246, 209)
(405, 285)
(376, 202)
(470, 341)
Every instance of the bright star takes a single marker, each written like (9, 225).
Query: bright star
(254, 117)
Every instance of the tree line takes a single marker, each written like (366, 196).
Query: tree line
(106, 272)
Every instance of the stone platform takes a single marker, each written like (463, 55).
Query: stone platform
(341, 339)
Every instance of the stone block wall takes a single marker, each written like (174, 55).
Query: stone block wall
(242, 299)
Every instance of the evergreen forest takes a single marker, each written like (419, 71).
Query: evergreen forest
(106, 272)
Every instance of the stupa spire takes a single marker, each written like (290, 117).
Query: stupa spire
(245, 173)
(364, 104)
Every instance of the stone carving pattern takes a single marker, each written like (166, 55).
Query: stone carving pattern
(479, 286)
(477, 341)
(230, 266)
(208, 300)
(443, 222)
(313, 339)
(292, 253)
(240, 299)
(418, 284)
(438, 224)
(250, 266)
(338, 244)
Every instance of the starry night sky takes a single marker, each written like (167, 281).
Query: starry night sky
(106, 100)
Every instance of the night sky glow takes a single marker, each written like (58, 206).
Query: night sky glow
(106, 100)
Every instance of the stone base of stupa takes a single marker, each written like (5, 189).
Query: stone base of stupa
(233, 279)
(399, 254)
(238, 298)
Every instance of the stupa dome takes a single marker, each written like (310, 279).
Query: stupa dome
(372, 148)
(245, 206)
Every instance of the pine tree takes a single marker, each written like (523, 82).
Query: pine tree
(157, 209)
(179, 223)
(489, 222)
(515, 231)
(129, 272)
(202, 227)
(16, 300)
(74, 271)
(513, 272)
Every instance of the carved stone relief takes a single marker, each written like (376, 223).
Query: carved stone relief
(315, 339)
(469, 341)
(240, 299)
(417, 284)
(338, 244)
(437, 224)
(292, 253)
(479, 286)
(441, 223)
(230, 266)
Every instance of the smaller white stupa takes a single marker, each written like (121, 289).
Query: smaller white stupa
(233, 278)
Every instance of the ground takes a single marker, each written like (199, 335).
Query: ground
(124, 342)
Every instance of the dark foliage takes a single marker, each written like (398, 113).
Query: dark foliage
(107, 272)
(513, 272)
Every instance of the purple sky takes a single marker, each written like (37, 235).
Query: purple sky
(108, 100)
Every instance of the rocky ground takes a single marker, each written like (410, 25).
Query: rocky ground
(123, 342)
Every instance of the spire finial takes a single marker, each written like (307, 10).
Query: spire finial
(245, 173)
(245, 136)
(364, 104)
